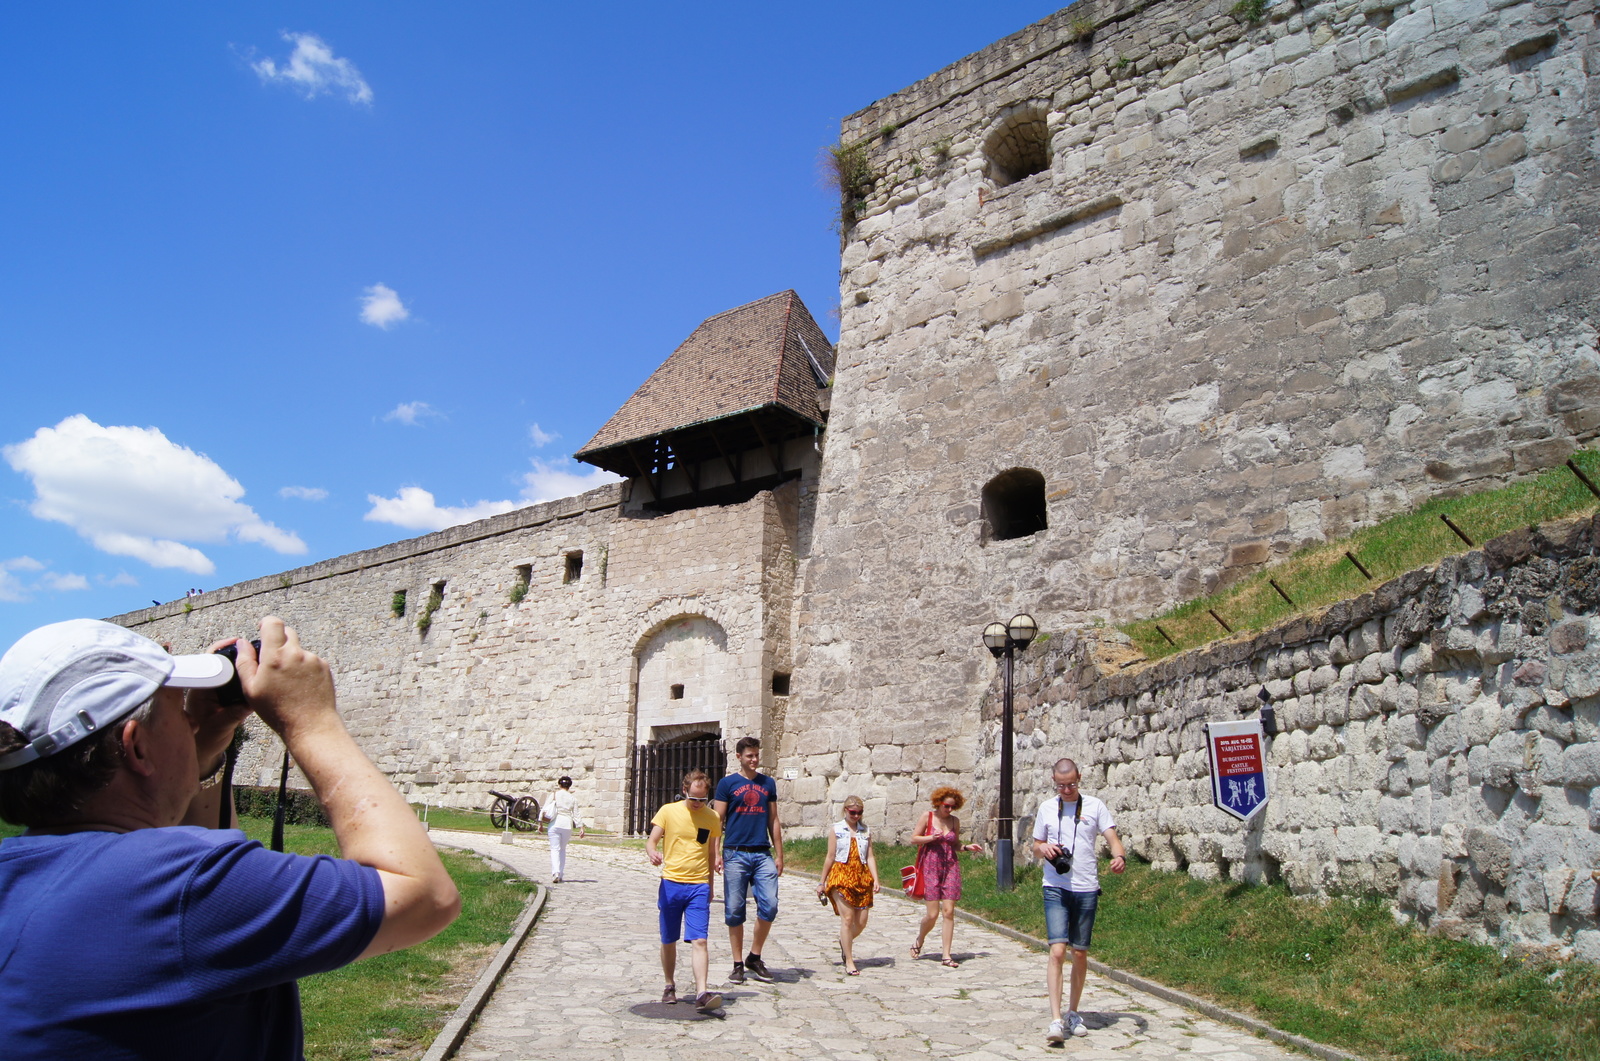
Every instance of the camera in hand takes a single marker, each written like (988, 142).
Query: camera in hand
(1062, 863)
(232, 694)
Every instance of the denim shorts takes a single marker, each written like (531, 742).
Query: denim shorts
(685, 906)
(1069, 916)
(741, 869)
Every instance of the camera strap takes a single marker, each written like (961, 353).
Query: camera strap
(1077, 816)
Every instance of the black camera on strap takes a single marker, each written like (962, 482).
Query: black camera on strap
(1062, 863)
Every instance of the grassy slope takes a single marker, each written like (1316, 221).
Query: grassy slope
(1341, 972)
(1321, 574)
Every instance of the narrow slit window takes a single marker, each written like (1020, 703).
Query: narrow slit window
(780, 683)
(574, 567)
(519, 588)
(397, 604)
(675, 693)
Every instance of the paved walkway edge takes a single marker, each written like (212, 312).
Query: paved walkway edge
(1150, 987)
(454, 1031)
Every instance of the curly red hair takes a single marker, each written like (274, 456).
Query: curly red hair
(944, 792)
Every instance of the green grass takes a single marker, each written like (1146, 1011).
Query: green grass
(1321, 574)
(395, 1003)
(472, 821)
(1341, 972)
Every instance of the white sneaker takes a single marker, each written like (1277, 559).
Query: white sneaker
(1075, 1025)
(1057, 1032)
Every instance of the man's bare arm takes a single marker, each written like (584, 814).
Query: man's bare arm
(652, 849)
(1117, 852)
(292, 691)
(775, 830)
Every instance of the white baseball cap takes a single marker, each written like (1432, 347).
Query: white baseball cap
(65, 681)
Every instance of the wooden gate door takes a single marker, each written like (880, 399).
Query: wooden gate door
(658, 771)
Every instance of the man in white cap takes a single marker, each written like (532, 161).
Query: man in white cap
(132, 927)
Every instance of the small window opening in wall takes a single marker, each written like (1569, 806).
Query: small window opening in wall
(519, 588)
(574, 569)
(1013, 504)
(1019, 146)
(397, 604)
(675, 693)
(780, 683)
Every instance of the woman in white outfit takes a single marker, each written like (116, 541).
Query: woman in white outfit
(562, 814)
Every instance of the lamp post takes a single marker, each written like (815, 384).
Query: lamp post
(1006, 640)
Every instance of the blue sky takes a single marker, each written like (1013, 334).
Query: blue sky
(284, 281)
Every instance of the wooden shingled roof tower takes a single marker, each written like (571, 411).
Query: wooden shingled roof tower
(747, 380)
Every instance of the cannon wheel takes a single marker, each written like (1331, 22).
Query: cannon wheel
(499, 812)
(525, 814)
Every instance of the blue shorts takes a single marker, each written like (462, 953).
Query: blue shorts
(1069, 916)
(739, 869)
(686, 906)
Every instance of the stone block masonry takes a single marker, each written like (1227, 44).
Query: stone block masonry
(511, 695)
(1439, 745)
(1259, 285)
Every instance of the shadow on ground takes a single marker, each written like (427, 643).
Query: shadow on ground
(682, 1010)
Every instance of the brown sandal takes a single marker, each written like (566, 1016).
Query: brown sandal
(950, 963)
(916, 951)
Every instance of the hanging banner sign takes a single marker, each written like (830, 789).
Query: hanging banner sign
(1238, 753)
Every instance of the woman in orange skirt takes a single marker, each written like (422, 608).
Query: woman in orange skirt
(852, 878)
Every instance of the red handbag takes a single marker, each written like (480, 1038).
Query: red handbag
(911, 876)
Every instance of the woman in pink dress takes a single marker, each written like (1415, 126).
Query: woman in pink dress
(939, 869)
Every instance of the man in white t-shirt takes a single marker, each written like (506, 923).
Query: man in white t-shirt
(1064, 831)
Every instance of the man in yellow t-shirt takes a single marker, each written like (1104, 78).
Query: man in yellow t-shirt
(683, 842)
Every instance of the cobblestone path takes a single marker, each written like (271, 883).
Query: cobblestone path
(586, 985)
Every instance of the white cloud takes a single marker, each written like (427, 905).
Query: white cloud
(132, 492)
(381, 306)
(410, 413)
(540, 436)
(121, 578)
(14, 590)
(415, 509)
(313, 69)
(550, 480)
(304, 493)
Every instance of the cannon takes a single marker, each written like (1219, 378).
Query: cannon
(519, 812)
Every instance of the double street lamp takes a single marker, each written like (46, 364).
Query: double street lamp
(1005, 640)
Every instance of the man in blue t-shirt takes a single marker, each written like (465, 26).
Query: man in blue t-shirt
(131, 926)
(752, 853)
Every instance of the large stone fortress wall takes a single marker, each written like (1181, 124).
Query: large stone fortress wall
(1439, 744)
(1272, 282)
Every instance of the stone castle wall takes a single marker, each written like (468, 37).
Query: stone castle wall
(1439, 744)
(506, 695)
(1276, 281)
